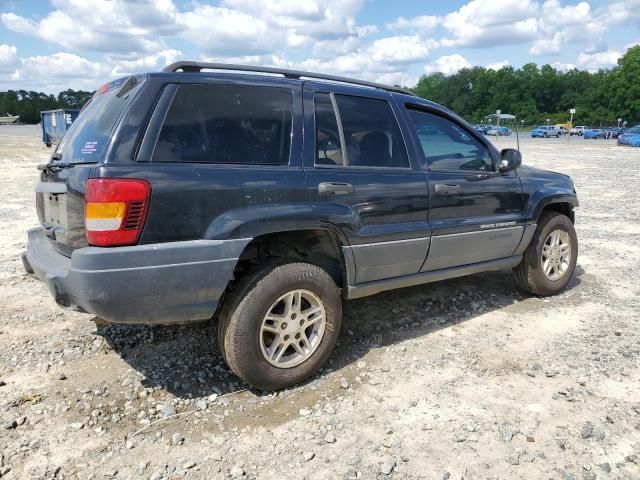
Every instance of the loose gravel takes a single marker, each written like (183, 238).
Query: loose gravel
(463, 379)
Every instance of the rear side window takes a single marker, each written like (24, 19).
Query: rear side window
(370, 135)
(236, 124)
(90, 134)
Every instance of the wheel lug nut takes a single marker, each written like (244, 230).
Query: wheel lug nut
(284, 325)
(286, 337)
(297, 335)
(301, 322)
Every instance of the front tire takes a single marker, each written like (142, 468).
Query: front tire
(279, 324)
(550, 259)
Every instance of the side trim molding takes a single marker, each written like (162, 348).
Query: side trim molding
(529, 230)
(468, 248)
(389, 242)
(371, 288)
(475, 232)
(375, 261)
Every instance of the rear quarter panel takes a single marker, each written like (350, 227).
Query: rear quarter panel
(199, 201)
(211, 201)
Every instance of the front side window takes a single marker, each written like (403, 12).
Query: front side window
(447, 146)
(370, 135)
(236, 124)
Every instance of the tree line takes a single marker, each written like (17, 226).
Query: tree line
(29, 104)
(535, 94)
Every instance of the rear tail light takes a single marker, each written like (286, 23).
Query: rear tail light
(103, 89)
(115, 210)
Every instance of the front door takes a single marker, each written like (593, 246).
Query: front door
(476, 212)
(360, 179)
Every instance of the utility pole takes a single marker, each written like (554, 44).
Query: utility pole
(572, 111)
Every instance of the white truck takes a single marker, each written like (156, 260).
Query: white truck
(545, 131)
(578, 130)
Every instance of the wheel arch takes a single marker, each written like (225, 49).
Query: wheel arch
(560, 200)
(565, 208)
(321, 246)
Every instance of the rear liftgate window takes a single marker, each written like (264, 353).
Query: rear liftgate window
(227, 124)
(88, 137)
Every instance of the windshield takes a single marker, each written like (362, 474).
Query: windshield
(635, 129)
(88, 137)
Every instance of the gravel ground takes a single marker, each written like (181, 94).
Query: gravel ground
(461, 379)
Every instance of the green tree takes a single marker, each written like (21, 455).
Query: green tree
(536, 93)
(29, 104)
(625, 86)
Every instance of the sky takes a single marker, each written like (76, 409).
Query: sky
(58, 44)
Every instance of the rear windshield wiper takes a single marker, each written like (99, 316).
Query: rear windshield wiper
(54, 167)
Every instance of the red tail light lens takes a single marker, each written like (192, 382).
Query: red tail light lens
(103, 89)
(115, 210)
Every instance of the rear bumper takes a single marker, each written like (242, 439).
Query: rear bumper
(158, 283)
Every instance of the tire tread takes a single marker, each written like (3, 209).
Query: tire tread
(232, 332)
(524, 272)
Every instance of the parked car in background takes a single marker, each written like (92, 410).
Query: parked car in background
(631, 137)
(482, 128)
(615, 132)
(427, 130)
(563, 128)
(594, 133)
(499, 132)
(545, 131)
(578, 130)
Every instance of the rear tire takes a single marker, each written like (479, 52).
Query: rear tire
(544, 269)
(280, 297)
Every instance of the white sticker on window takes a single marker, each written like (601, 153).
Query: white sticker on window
(89, 147)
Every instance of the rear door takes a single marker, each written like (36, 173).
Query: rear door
(360, 179)
(475, 211)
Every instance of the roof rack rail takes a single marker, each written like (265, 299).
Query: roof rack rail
(190, 66)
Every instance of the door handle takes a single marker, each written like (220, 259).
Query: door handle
(336, 188)
(447, 189)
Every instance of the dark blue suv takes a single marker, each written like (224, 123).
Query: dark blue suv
(262, 197)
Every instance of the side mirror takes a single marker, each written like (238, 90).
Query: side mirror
(510, 159)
